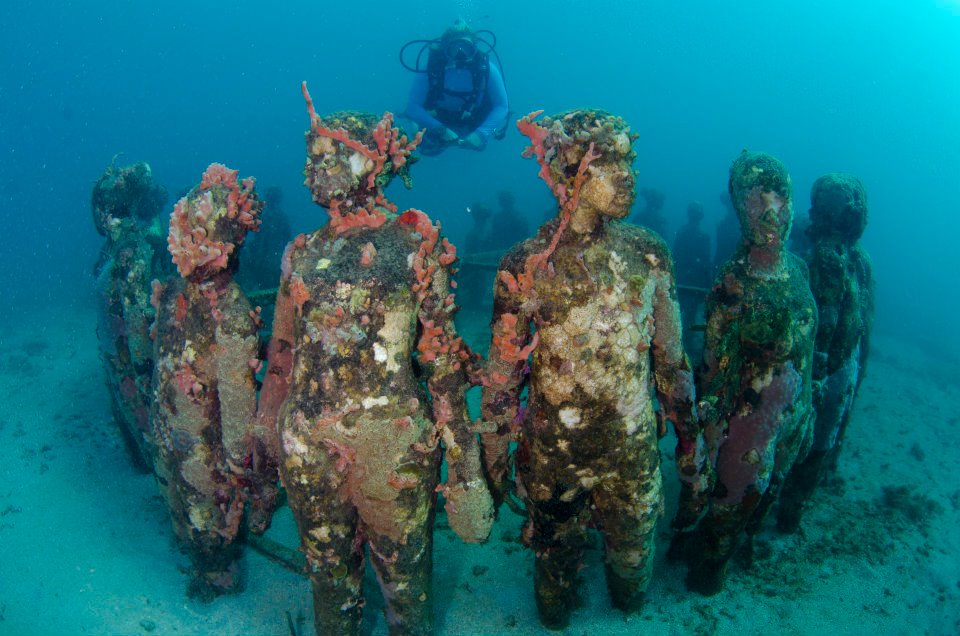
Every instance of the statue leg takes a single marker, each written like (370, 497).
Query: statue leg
(333, 546)
(557, 534)
(404, 567)
(627, 509)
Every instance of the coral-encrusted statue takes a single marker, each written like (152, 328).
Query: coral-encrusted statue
(210, 454)
(363, 321)
(841, 278)
(126, 206)
(607, 342)
(754, 389)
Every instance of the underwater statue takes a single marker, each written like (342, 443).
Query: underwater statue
(694, 271)
(755, 383)
(601, 297)
(126, 205)
(691, 250)
(841, 278)
(366, 383)
(650, 215)
(210, 450)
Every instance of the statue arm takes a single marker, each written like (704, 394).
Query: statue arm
(676, 395)
(505, 377)
(276, 385)
(444, 357)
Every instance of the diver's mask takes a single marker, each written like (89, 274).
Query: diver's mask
(460, 51)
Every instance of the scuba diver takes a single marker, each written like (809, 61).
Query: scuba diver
(460, 97)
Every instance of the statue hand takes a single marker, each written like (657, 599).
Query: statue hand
(469, 510)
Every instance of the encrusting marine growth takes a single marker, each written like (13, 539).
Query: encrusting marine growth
(212, 456)
(126, 204)
(366, 383)
(593, 301)
(841, 279)
(754, 386)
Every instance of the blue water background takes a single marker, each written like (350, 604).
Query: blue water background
(871, 88)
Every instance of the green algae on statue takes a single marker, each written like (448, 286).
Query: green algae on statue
(366, 384)
(841, 279)
(212, 457)
(754, 386)
(594, 301)
(126, 205)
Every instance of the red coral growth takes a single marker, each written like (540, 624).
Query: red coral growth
(384, 203)
(494, 379)
(391, 145)
(429, 233)
(181, 309)
(298, 291)
(449, 253)
(505, 340)
(430, 345)
(537, 135)
(345, 455)
(197, 241)
(335, 318)
(410, 217)
(218, 174)
(188, 242)
(341, 222)
(568, 196)
(188, 383)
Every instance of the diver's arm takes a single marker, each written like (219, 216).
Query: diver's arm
(499, 107)
(415, 105)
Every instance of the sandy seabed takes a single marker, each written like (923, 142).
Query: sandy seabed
(86, 546)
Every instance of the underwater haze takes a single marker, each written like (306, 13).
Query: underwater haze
(868, 88)
(863, 87)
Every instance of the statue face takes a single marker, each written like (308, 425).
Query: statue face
(760, 190)
(609, 188)
(765, 217)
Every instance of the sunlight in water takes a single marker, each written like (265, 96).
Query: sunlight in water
(953, 6)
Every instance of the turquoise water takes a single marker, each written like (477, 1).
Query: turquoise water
(867, 88)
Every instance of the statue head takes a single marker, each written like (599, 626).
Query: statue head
(211, 222)
(126, 196)
(838, 207)
(760, 190)
(609, 182)
(340, 165)
(695, 212)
